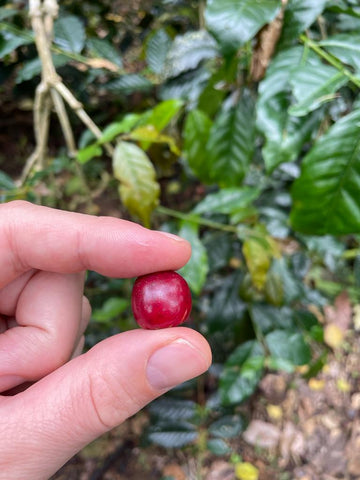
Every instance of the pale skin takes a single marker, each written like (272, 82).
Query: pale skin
(73, 398)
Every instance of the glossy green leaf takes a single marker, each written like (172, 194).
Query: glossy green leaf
(288, 346)
(187, 86)
(196, 135)
(229, 426)
(227, 200)
(231, 143)
(326, 195)
(7, 12)
(345, 47)
(100, 47)
(242, 373)
(128, 84)
(188, 51)
(235, 22)
(314, 85)
(139, 190)
(299, 16)
(196, 270)
(69, 33)
(174, 409)
(157, 48)
(284, 134)
(268, 318)
(172, 435)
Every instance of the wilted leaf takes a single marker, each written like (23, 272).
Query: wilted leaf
(139, 190)
(262, 434)
(148, 135)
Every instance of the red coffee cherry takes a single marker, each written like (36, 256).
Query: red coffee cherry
(160, 300)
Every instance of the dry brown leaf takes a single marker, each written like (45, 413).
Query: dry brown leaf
(341, 313)
(262, 434)
(266, 44)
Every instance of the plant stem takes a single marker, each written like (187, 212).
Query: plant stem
(330, 59)
(191, 217)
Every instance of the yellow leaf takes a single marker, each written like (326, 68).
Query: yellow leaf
(257, 260)
(333, 336)
(356, 317)
(316, 384)
(343, 385)
(246, 471)
(274, 411)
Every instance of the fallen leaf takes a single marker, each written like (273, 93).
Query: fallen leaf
(356, 317)
(340, 314)
(246, 471)
(262, 434)
(343, 385)
(333, 335)
(275, 412)
(316, 384)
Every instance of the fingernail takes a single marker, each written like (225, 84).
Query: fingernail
(10, 381)
(171, 235)
(174, 364)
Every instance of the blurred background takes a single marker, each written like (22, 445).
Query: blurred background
(235, 124)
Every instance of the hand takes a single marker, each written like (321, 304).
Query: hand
(75, 398)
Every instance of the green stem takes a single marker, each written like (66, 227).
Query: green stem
(330, 59)
(190, 217)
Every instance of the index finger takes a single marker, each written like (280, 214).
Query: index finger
(44, 238)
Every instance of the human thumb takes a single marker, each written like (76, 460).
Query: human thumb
(56, 417)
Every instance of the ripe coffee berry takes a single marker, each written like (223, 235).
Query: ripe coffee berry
(161, 300)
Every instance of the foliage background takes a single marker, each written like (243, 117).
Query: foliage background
(232, 123)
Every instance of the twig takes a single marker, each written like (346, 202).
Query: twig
(51, 91)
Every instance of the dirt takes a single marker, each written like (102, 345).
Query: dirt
(299, 429)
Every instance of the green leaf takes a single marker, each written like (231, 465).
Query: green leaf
(231, 143)
(242, 373)
(139, 190)
(284, 134)
(229, 426)
(188, 51)
(314, 85)
(299, 16)
(188, 86)
(218, 446)
(157, 48)
(69, 33)
(235, 22)
(148, 135)
(128, 84)
(89, 152)
(112, 308)
(32, 68)
(196, 270)
(174, 409)
(161, 115)
(6, 182)
(289, 346)
(7, 12)
(102, 48)
(196, 135)
(345, 47)
(326, 195)
(227, 200)
(268, 318)
(172, 435)
(10, 42)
